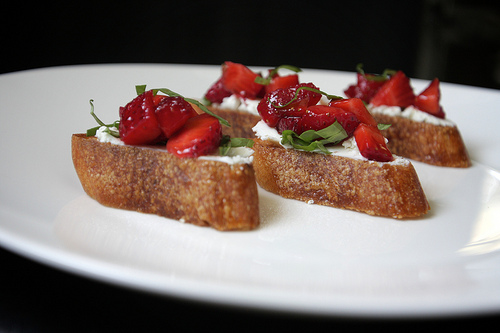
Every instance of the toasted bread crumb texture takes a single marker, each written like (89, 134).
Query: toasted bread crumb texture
(148, 180)
(241, 122)
(379, 189)
(428, 143)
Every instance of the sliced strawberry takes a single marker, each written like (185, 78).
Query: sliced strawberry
(268, 109)
(282, 82)
(201, 135)
(428, 100)
(287, 103)
(312, 97)
(371, 143)
(356, 106)
(318, 117)
(395, 92)
(172, 113)
(217, 92)
(366, 87)
(158, 98)
(240, 80)
(289, 123)
(138, 123)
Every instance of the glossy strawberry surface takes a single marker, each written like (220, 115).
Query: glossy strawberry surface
(138, 122)
(172, 113)
(366, 87)
(201, 135)
(327, 115)
(357, 107)
(217, 92)
(317, 117)
(397, 91)
(152, 118)
(371, 143)
(288, 102)
(429, 100)
(298, 110)
(282, 82)
(240, 80)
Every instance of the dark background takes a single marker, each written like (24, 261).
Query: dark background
(457, 41)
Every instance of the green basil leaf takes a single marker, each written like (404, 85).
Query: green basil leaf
(306, 88)
(315, 140)
(376, 77)
(289, 67)
(383, 126)
(241, 142)
(265, 81)
(228, 143)
(92, 131)
(224, 145)
(139, 89)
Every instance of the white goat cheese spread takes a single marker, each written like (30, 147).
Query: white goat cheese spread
(411, 113)
(349, 148)
(235, 102)
(103, 135)
(235, 155)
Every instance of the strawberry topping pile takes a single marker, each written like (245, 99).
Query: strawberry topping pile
(151, 118)
(366, 87)
(296, 109)
(237, 79)
(395, 89)
(428, 100)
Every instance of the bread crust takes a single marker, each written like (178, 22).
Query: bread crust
(241, 122)
(424, 142)
(151, 180)
(380, 189)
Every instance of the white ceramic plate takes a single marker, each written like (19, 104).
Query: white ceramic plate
(303, 258)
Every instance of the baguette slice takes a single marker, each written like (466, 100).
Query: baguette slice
(380, 189)
(151, 180)
(428, 143)
(241, 122)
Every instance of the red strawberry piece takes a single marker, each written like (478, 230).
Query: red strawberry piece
(289, 102)
(346, 119)
(428, 100)
(311, 97)
(200, 135)
(289, 123)
(282, 82)
(158, 98)
(395, 92)
(267, 106)
(318, 117)
(371, 143)
(280, 103)
(138, 123)
(356, 106)
(366, 87)
(240, 80)
(217, 92)
(172, 113)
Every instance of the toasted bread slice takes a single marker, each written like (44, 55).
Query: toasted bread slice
(241, 122)
(428, 143)
(381, 189)
(150, 180)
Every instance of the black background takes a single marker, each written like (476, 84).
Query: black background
(456, 41)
